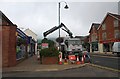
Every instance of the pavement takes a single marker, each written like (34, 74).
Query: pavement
(32, 64)
(32, 68)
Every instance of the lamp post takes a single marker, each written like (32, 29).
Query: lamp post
(66, 7)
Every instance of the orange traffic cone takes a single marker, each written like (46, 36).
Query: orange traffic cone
(65, 61)
(77, 62)
(60, 59)
(82, 60)
(84, 56)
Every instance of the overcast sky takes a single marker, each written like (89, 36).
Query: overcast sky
(41, 16)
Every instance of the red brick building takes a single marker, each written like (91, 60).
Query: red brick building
(8, 41)
(14, 43)
(93, 37)
(109, 32)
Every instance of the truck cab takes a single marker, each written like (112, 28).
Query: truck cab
(73, 46)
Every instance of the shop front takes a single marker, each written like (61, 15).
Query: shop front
(21, 45)
(94, 46)
(31, 46)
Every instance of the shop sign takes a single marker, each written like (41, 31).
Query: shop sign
(44, 45)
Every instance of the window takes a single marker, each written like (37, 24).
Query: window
(93, 28)
(115, 23)
(94, 37)
(117, 34)
(103, 26)
(104, 36)
(0, 21)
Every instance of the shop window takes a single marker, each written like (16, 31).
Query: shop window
(20, 48)
(106, 47)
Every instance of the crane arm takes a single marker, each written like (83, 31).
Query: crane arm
(51, 30)
(67, 30)
(55, 28)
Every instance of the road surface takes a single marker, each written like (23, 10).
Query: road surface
(107, 61)
(87, 71)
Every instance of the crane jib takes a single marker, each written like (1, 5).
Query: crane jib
(55, 28)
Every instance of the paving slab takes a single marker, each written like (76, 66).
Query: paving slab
(31, 64)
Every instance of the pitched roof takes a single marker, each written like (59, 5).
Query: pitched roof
(96, 25)
(3, 16)
(30, 31)
(21, 33)
(116, 16)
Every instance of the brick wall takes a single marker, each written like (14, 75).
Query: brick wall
(109, 21)
(93, 31)
(0, 47)
(8, 46)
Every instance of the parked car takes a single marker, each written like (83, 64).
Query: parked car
(116, 48)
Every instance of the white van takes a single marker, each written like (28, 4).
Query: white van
(116, 48)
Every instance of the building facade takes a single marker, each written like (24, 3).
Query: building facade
(33, 45)
(8, 33)
(21, 44)
(93, 37)
(109, 32)
(13, 42)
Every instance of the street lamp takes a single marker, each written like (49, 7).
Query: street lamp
(66, 7)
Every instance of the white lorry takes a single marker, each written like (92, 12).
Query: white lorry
(116, 48)
(73, 45)
(71, 49)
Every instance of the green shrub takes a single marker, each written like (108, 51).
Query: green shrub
(49, 52)
(50, 42)
(20, 41)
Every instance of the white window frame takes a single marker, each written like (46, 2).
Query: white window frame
(104, 36)
(0, 21)
(116, 23)
(94, 37)
(103, 26)
(117, 34)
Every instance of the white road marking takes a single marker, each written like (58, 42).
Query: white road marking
(46, 70)
(105, 56)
